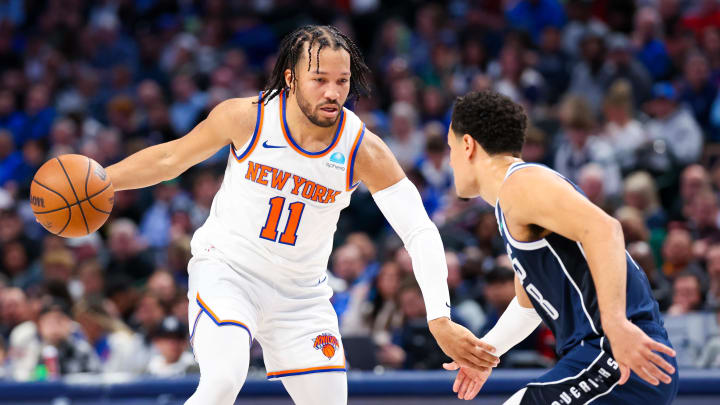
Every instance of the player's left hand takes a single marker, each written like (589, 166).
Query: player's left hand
(468, 381)
(461, 345)
(636, 351)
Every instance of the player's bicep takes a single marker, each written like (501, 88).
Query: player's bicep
(540, 197)
(376, 166)
(210, 135)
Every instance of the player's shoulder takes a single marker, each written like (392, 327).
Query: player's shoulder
(372, 147)
(237, 107)
(528, 184)
(238, 112)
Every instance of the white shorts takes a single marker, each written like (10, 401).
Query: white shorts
(292, 319)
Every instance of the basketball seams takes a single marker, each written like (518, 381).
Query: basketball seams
(67, 206)
(89, 198)
(87, 228)
(75, 203)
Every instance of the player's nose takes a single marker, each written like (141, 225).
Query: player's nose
(332, 93)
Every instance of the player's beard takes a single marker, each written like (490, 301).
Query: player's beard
(312, 113)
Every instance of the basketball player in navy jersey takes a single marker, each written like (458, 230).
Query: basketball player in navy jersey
(571, 272)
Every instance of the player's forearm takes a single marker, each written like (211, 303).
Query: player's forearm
(144, 168)
(604, 247)
(402, 207)
(514, 325)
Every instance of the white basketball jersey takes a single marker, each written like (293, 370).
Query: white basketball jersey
(278, 203)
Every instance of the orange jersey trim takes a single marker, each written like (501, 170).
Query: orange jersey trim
(291, 141)
(351, 160)
(205, 308)
(300, 371)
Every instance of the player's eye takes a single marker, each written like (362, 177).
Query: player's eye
(344, 81)
(319, 79)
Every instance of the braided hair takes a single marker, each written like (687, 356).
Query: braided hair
(317, 37)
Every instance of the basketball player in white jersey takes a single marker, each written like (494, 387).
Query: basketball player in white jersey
(259, 262)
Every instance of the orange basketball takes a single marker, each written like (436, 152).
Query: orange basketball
(71, 195)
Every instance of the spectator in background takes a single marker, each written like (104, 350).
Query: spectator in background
(148, 314)
(648, 43)
(349, 300)
(554, 64)
(704, 221)
(118, 348)
(687, 294)
(172, 359)
(434, 167)
(414, 347)
(91, 277)
(591, 181)
(39, 115)
(693, 180)
(513, 78)
(63, 351)
(621, 65)
(407, 141)
(5, 370)
(535, 148)
(127, 255)
(641, 193)
(386, 316)
(162, 285)
(624, 133)
(13, 309)
(661, 288)
(712, 266)
(677, 252)
(533, 16)
(674, 126)
(187, 105)
(10, 159)
(633, 224)
(579, 147)
(698, 92)
(586, 76)
(465, 309)
(11, 119)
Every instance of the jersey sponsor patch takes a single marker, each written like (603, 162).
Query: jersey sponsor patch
(338, 158)
(327, 343)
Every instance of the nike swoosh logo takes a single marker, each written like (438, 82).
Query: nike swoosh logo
(265, 145)
(448, 305)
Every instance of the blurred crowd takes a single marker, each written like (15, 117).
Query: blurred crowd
(622, 97)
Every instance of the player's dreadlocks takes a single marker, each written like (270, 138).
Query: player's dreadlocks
(317, 37)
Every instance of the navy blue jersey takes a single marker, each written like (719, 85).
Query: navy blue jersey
(556, 277)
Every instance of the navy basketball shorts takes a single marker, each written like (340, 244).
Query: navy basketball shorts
(588, 374)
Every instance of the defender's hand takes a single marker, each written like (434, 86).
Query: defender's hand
(468, 381)
(461, 345)
(634, 350)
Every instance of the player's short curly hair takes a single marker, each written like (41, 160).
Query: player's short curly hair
(493, 120)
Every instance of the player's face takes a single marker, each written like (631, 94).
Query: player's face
(322, 91)
(465, 182)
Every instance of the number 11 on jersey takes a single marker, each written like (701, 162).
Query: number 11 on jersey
(289, 235)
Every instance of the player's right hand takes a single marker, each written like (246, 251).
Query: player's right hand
(634, 350)
(468, 381)
(461, 345)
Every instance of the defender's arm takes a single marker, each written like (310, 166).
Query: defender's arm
(168, 160)
(570, 214)
(515, 324)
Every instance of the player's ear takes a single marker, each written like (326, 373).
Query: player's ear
(469, 146)
(288, 78)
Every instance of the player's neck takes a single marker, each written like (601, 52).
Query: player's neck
(492, 170)
(304, 131)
